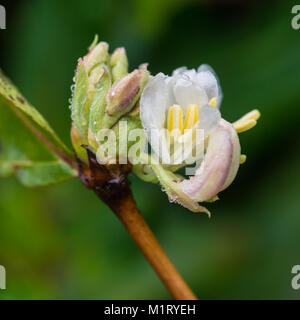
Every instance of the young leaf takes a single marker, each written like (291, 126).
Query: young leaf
(28, 145)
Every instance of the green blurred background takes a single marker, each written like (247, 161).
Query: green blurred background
(61, 242)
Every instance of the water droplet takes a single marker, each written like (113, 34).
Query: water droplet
(98, 85)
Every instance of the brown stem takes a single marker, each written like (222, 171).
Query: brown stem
(111, 185)
(128, 213)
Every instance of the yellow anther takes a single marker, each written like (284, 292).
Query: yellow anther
(213, 102)
(191, 117)
(241, 126)
(175, 118)
(254, 114)
(247, 122)
(243, 158)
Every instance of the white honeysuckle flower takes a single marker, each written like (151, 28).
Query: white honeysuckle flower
(220, 166)
(173, 106)
(180, 115)
(216, 173)
(190, 99)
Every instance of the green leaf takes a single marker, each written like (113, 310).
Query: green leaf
(33, 174)
(29, 147)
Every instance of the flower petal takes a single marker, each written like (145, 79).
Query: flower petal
(219, 167)
(208, 80)
(154, 103)
(171, 185)
(179, 71)
(185, 92)
(209, 119)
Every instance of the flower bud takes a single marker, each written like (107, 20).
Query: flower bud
(98, 106)
(96, 56)
(123, 130)
(104, 95)
(79, 97)
(77, 142)
(124, 94)
(119, 64)
(89, 72)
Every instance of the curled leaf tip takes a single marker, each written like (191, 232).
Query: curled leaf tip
(94, 43)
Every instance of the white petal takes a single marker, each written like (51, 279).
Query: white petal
(219, 167)
(186, 93)
(154, 103)
(179, 71)
(170, 183)
(235, 163)
(209, 118)
(208, 80)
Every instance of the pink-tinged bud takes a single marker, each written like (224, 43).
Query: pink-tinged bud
(97, 55)
(119, 64)
(124, 94)
(219, 167)
(88, 77)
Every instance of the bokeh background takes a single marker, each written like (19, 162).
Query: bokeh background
(61, 242)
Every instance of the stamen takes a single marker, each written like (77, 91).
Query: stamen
(243, 158)
(245, 125)
(247, 122)
(175, 118)
(191, 117)
(254, 114)
(213, 102)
